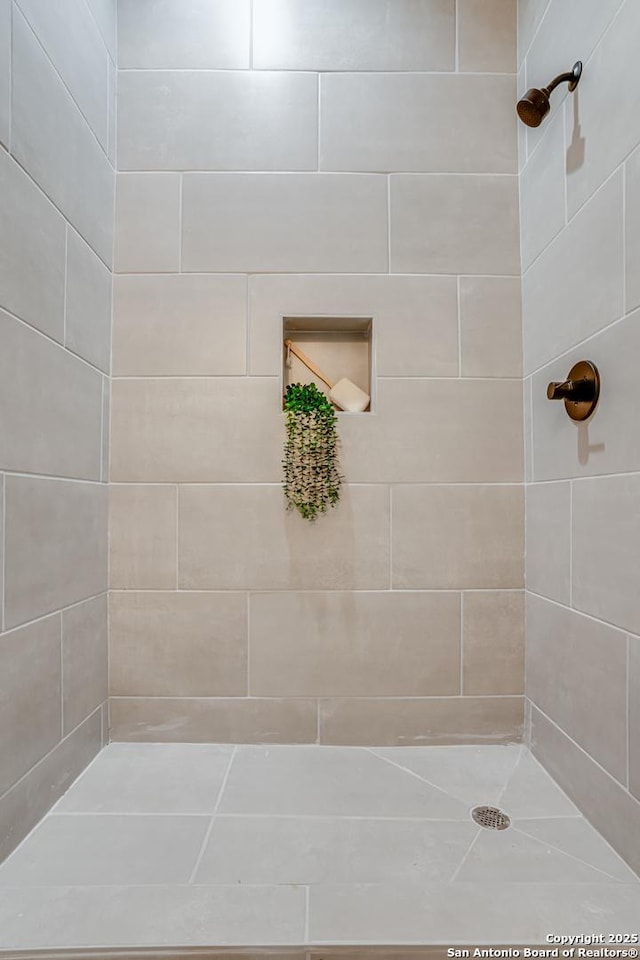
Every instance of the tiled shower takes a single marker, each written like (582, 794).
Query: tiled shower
(179, 177)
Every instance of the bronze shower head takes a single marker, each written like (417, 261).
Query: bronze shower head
(534, 106)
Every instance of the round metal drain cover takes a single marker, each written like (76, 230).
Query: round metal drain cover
(490, 818)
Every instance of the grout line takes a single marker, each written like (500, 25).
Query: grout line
(458, 308)
(564, 118)
(581, 613)
(3, 564)
(412, 773)
(66, 283)
(456, 17)
(553, 846)
(318, 723)
(177, 536)
(462, 643)
(628, 712)
(11, 69)
(213, 817)
(53, 613)
(571, 544)
(536, 32)
(624, 237)
(62, 678)
(390, 536)
(389, 223)
(180, 231)
(250, 34)
(456, 872)
(248, 606)
(319, 125)
(248, 328)
(307, 891)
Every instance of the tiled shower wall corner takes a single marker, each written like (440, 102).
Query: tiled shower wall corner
(580, 207)
(266, 168)
(57, 189)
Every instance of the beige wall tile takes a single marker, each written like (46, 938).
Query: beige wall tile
(606, 532)
(52, 141)
(437, 431)
(32, 244)
(106, 424)
(177, 325)
(55, 545)
(528, 431)
(457, 536)
(73, 42)
(408, 36)
(578, 278)
(420, 311)
(263, 120)
(493, 643)
(157, 720)
(156, 34)
(487, 35)
(632, 231)
(350, 644)
(5, 70)
(30, 697)
(242, 537)
(576, 674)
(609, 442)
(530, 13)
(548, 538)
(55, 402)
(267, 222)
(178, 644)
(28, 801)
(87, 304)
(542, 191)
(147, 224)
(420, 722)
(603, 801)
(111, 129)
(490, 327)
(471, 126)
(454, 224)
(142, 536)
(197, 430)
(634, 716)
(84, 661)
(602, 121)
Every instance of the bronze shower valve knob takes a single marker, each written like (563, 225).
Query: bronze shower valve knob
(580, 391)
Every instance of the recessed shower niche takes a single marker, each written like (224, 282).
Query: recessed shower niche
(336, 349)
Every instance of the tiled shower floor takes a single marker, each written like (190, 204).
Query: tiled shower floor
(174, 844)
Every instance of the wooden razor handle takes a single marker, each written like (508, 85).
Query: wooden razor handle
(290, 345)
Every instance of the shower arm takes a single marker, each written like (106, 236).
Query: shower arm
(571, 77)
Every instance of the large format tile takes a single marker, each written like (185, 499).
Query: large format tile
(392, 721)
(142, 537)
(70, 35)
(179, 325)
(270, 222)
(84, 661)
(607, 805)
(331, 781)
(105, 15)
(350, 645)
(605, 512)
(263, 120)
(215, 720)
(149, 915)
(150, 778)
(192, 34)
(56, 406)
(454, 224)
(457, 536)
(472, 774)
(354, 35)
(542, 192)
(147, 223)
(490, 327)
(238, 537)
(106, 850)
(339, 850)
(578, 278)
(51, 140)
(5, 71)
(576, 837)
(30, 694)
(437, 431)
(88, 304)
(467, 913)
(632, 231)
(32, 252)
(471, 127)
(222, 430)
(548, 537)
(569, 655)
(530, 13)
(56, 545)
(417, 310)
(634, 716)
(487, 35)
(493, 643)
(178, 644)
(530, 792)
(32, 796)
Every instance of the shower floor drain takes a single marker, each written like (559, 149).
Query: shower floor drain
(490, 818)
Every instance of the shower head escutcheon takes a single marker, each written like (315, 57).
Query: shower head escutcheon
(534, 106)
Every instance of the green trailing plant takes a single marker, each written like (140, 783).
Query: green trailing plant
(311, 477)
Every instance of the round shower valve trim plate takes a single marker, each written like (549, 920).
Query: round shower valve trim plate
(580, 391)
